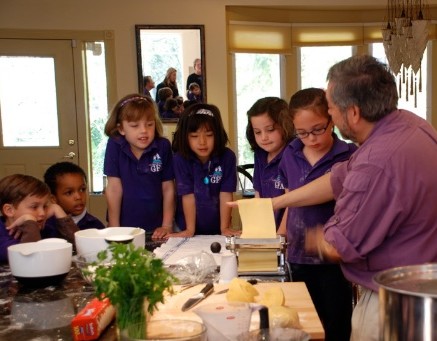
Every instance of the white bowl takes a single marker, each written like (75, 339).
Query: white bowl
(40, 263)
(94, 240)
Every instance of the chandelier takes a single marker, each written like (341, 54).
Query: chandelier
(405, 37)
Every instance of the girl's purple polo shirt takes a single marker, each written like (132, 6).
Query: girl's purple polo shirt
(206, 181)
(142, 202)
(297, 172)
(266, 179)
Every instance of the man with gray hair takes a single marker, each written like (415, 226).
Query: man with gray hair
(385, 214)
(148, 84)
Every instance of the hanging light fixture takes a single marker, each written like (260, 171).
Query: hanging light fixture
(405, 38)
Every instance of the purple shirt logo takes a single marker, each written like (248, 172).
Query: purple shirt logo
(278, 183)
(216, 177)
(156, 165)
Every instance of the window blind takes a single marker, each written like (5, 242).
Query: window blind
(282, 38)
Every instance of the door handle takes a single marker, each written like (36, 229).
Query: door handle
(70, 155)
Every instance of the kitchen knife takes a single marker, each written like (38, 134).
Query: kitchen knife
(193, 300)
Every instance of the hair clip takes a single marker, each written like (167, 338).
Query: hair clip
(204, 112)
(135, 98)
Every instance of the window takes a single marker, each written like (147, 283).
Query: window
(313, 68)
(28, 118)
(163, 51)
(257, 76)
(97, 109)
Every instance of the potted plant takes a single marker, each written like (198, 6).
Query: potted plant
(134, 282)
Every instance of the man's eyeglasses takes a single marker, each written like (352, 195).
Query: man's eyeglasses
(315, 132)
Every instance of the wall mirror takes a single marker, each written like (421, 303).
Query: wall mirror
(160, 47)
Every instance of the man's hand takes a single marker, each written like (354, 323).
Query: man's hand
(315, 244)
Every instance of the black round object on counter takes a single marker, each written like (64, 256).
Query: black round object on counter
(215, 247)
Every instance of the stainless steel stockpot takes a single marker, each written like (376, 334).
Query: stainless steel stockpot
(408, 303)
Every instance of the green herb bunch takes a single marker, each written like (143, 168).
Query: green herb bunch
(133, 275)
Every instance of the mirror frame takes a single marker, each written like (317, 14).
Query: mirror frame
(140, 50)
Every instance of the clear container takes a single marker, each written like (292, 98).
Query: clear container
(171, 330)
(274, 334)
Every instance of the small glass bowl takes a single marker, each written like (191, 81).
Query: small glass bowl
(88, 262)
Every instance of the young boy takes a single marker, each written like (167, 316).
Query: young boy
(194, 93)
(170, 108)
(163, 94)
(25, 206)
(68, 186)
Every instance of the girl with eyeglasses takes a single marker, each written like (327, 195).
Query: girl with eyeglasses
(139, 168)
(312, 154)
(205, 171)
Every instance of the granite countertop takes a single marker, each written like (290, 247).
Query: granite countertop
(44, 313)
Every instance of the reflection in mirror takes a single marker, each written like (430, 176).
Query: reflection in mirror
(162, 48)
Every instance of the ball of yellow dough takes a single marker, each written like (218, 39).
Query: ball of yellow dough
(283, 317)
(241, 291)
(274, 296)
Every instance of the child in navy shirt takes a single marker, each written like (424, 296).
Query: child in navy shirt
(171, 108)
(269, 130)
(205, 171)
(25, 206)
(139, 168)
(68, 185)
(194, 93)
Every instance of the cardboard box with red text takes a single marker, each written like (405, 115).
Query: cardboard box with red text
(89, 323)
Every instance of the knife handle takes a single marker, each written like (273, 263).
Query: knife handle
(207, 289)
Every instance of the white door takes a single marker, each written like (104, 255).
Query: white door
(38, 125)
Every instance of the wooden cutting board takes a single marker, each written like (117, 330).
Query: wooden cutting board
(296, 296)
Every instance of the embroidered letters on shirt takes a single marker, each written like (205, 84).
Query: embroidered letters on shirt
(216, 177)
(156, 164)
(278, 183)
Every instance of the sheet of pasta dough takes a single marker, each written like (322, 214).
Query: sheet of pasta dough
(257, 218)
(257, 260)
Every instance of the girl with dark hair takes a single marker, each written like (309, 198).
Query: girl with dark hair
(205, 171)
(269, 129)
